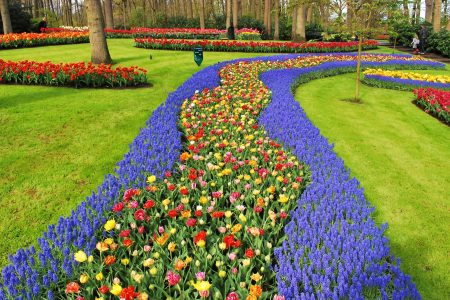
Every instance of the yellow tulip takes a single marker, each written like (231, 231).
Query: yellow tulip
(110, 225)
(80, 256)
(116, 289)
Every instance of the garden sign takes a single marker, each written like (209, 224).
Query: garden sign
(198, 55)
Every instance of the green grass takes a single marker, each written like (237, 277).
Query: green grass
(58, 143)
(401, 157)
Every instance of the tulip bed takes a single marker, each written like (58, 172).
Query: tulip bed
(197, 212)
(71, 74)
(167, 33)
(21, 40)
(399, 80)
(434, 102)
(253, 46)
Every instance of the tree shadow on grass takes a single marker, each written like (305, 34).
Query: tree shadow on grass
(136, 58)
(30, 96)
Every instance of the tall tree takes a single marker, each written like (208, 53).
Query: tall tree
(429, 11)
(266, 13)
(201, 12)
(294, 22)
(437, 15)
(309, 14)
(228, 20)
(109, 20)
(6, 19)
(276, 34)
(189, 9)
(300, 33)
(97, 38)
(235, 13)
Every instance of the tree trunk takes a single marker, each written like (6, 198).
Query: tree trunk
(419, 4)
(201, 12)
(358, 70)
(109, 20)
(99, 47)
(294, 22)
(429, 11)
(257, 10)
(35, 9)
(266, 12)
(6, 20)
(228, 13)
(269, 19)
(189, 9)
(235, 14)
(309, 14)
(349, 20)
(406, 8)
(300, 33)
(276, 34)
(437, 15)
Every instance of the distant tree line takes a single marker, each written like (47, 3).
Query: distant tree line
(285, 19)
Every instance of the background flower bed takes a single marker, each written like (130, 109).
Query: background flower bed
(434, 102)
(21, 40)
(167, 33)
(71, 74)
(404, 80)
(254, 46)
(153, 151)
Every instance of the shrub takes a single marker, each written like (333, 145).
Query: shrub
(439, 42)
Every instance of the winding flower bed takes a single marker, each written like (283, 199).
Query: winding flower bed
(207, 227)
(70, 74)
(404, 80)
(22, 40)
(253, 46)
(434, 102)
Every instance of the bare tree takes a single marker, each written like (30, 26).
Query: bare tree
(4, 10)
(97, 38)
(437, 15)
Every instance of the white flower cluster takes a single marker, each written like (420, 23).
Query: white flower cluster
(71, 28)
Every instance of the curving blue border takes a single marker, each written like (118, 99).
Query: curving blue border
(155, 150)
(333, 248)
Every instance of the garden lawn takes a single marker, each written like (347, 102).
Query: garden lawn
(400, 155)
(57, 144)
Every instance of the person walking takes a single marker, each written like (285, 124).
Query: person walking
(423, 34)
(415, 42)
(42, 24)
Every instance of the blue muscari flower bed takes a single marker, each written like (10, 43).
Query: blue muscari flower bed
(332, 242)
